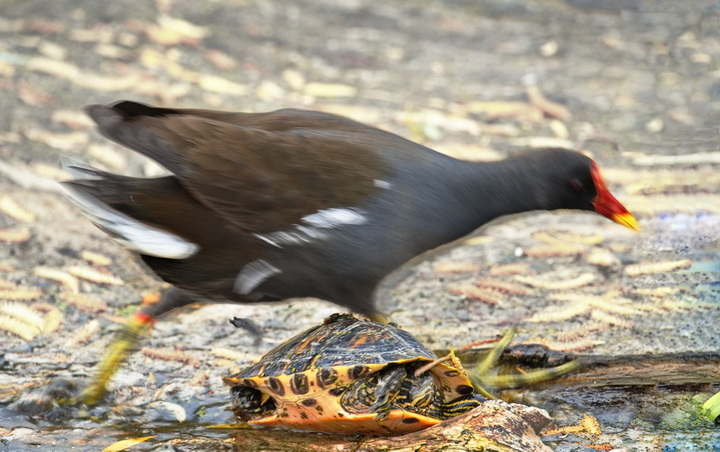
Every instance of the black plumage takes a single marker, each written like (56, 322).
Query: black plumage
(293, 203)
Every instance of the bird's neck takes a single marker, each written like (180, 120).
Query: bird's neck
(491, 190)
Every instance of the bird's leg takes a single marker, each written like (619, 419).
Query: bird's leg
(137, 327)
(481, 380)
(379, 317)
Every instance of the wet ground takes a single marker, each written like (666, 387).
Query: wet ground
(634, 83)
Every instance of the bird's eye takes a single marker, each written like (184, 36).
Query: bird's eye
(577, 185)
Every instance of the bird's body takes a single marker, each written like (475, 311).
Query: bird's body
(293, 203)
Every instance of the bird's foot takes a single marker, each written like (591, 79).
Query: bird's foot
(711, 408)
(479, 375)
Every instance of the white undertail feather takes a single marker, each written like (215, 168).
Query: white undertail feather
(79, 170)
(124, 229)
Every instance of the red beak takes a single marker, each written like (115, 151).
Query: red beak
(607, 205)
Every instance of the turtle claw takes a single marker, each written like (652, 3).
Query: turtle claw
(481, 380)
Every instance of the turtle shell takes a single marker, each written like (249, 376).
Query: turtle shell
(326, 378)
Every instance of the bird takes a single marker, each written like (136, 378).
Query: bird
(262, 207)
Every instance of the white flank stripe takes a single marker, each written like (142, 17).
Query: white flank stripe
(253, 274)
(332, 218)
(382, 184)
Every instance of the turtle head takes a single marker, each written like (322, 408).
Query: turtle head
(250, 403)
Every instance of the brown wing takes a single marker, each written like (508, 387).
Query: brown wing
(261, 172)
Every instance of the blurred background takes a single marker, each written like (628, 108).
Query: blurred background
(634, 83)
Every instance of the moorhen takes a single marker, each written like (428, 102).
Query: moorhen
(267, 206)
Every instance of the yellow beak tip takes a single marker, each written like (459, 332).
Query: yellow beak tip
(627, 220)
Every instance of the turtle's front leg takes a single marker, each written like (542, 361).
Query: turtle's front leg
(387, 389)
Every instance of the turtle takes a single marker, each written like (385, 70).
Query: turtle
(352, 376)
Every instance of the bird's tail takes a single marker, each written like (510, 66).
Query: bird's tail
(100, 195)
